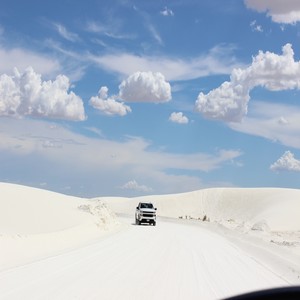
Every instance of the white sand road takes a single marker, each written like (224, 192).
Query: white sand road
(174, 260)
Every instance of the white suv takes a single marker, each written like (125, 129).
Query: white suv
(145, 213)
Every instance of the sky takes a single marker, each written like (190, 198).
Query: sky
(131, 98)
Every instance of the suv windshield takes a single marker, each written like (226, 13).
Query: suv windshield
(146, 205)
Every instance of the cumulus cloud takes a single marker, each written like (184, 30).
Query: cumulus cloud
(145, 87)
(24, 94)
(286, 162)
(178, 118)
(229, 102)
(133, 185)
(108, 105)
(138, 87)
(287, 11)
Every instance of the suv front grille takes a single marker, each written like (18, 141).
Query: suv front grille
(147, 214)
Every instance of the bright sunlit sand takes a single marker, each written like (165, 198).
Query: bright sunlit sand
(41, 221)
(210, 243)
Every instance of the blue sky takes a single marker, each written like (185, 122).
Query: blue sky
(129, 98)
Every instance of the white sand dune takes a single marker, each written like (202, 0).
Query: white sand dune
(251, 241)
(277, 208)
(35, 223)
(271, 214)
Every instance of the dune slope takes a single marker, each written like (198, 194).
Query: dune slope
(35, 223)
(277, 208)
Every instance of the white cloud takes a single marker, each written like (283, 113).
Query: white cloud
(145, 87)
(22, 59)
(97, 28)
(108, 106)
(51, 144)
(155, 33)
(255, 27)
(273, 121)
(178, 118)
(111, 30)
(286, 162)
(229, 102)
(219, 60)
(287, 11)
(148, 24)
(104, 164)
(70, 36)
(167, 12)
(24, 94)
(73, 64)
(133, 185)
(95, 130)
(283, 121)
(138, 87)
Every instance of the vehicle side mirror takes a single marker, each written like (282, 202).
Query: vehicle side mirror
(137, 207)
(155, 208)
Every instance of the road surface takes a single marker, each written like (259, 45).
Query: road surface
(169, 261)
